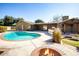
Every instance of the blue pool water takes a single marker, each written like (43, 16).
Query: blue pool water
(19, 35)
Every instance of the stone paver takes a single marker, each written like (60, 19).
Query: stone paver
(65, 49)
(21, 51)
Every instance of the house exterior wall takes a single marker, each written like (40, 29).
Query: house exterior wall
(42, 26)
(71, 25)
(23, 26)
(78, 28)
(66, 27)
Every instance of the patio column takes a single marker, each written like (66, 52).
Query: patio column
(64, 28)
(78, 27)
(47, 27)
(75, 28)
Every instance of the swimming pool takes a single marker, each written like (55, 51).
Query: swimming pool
(20, 35)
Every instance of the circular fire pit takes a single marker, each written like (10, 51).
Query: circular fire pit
(46, 51)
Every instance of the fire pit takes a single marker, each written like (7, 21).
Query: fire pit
(46, 52)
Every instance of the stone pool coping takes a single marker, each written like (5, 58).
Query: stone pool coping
(18, 40)
(15, 44)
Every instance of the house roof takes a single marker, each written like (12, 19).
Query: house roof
(71, 21)
(42, 23)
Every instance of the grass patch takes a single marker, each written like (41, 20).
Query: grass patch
(70, 42)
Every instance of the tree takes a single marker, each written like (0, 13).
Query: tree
(57, 19)
(8, 20)
(39, 21)
(18, 19)
(65, 18)
(1, 22)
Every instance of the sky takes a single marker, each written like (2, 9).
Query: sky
(34, 11)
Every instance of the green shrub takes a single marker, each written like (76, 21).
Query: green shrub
(70, 42)
(76, 35)
(3, 28)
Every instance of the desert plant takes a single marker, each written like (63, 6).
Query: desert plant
(3, 28)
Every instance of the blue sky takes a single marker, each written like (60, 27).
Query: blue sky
(31, 11)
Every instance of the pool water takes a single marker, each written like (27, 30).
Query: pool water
(19, 35)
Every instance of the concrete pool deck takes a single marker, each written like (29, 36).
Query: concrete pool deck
(25, 48)
(16, 44)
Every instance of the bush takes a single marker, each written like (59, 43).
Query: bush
(70, 42)
(76, 35)
(3, 28)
